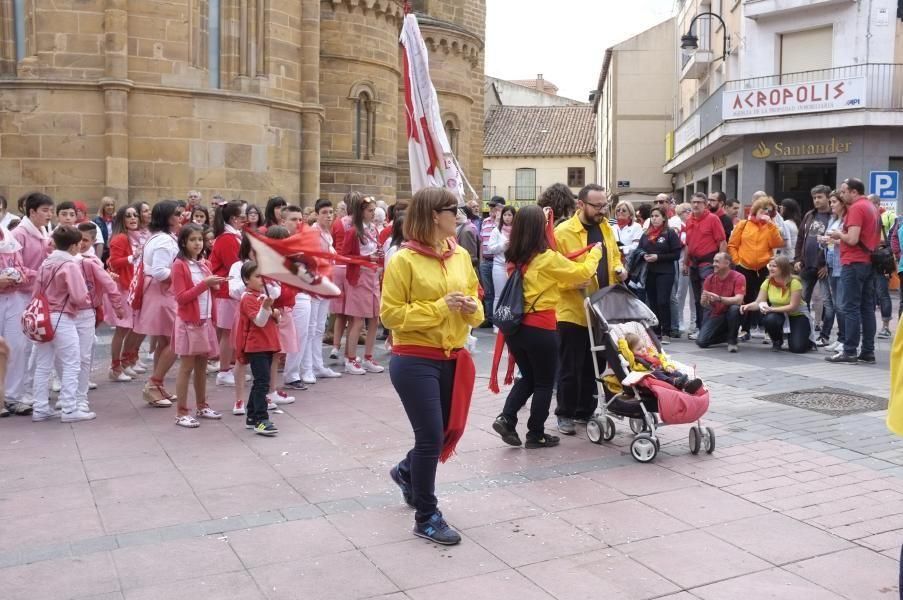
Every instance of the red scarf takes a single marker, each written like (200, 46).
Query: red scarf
(653, 232)
(780, 286)
(462, 390)
(421, 248)
(624, 222)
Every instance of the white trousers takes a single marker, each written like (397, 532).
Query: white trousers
(313, 354)
(301, 316)
(65, 348)
(11, 308)
(84, 325)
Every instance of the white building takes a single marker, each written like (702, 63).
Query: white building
(810, 92)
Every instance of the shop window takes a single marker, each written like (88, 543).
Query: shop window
(576, 177)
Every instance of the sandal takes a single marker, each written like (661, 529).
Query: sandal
(187, 421)
(156, 396)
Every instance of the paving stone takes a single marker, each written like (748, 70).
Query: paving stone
(774, 584)
(345, 576)
(876, 576)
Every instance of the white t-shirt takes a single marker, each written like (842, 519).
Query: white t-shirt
(197, 276)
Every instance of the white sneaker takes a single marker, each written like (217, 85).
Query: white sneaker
(212, 367)
(139, 367)
(353, 367)
(92, 385)
(327, 373)
(209, 413)
(239, 408)
(83, 407)
(130, 372)
(371, 366)
(334, 354)
(58, 405)
(78, 415)
(280, 397)
(55, 384)
(121, 376)
(309, 378)
(225, 378)
(274, 408)
(42, 416)
(757, 333)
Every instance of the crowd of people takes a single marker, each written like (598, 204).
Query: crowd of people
(180, 277)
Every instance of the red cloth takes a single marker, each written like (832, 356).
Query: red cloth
(248, 337)
(431, 252)
(496, 361)
(676, 406)
(704, 235)
(385, 234)
(542, 319)
(338, 234)
(223, 255)
(120, 253)
(862, 214)
(462, 390)
(187, 292)
(287, 295)
(733, 284)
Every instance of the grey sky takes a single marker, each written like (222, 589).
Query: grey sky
(563, 40)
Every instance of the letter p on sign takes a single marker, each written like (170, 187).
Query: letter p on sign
(885, 184)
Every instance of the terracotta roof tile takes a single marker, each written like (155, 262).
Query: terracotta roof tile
(539, 131)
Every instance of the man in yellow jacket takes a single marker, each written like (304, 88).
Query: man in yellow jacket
(576, 379)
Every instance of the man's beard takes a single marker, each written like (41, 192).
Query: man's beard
(713, 209)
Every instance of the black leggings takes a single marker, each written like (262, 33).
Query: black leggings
(535, 351)
(754, 281)
(800, 329)
(658, 297)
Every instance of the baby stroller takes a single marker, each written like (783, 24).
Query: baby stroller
(648, 403)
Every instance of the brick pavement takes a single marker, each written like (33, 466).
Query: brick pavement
(793, 504)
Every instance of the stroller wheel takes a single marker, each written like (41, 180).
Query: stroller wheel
(637, 425)
(695, 441)
(608, 429)
(708, 440)
(643, 448)
(594, 431)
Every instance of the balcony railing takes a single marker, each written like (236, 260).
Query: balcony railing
(488, 192)
(884, 91)
(524, 193)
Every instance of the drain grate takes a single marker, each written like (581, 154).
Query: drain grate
(830, 401)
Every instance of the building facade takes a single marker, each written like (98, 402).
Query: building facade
(633, 104)
(809, 92)
(529, 148)
(303, 98)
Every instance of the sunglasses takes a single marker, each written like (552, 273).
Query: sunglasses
(451, 209)
(131, 215)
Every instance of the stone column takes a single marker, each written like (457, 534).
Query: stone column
(310, 97)
(115, 90)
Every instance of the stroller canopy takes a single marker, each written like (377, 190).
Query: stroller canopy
(617, 304)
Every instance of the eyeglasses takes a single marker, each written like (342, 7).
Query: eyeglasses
(599, 206)
(131, 215)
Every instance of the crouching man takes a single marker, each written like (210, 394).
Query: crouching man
(722, 295)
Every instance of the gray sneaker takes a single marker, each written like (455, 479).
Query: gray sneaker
(884, 333)
(566, 426)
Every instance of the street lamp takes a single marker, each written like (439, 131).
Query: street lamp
(689, 43)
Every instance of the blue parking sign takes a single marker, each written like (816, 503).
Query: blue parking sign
(885, 184)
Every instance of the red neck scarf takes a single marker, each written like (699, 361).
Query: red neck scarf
(780, 286)
(653, 232)
(425, 250)
(624, 222)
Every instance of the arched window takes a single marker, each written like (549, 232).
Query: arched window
(451, 132)
(364, 121)
(19, 28)
(213, 42)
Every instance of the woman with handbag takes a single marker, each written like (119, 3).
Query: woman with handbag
(534, 344)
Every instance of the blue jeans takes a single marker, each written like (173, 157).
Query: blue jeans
(488, 287)
(882, 291)
(425, 387)
(831, 308)
(858, 296)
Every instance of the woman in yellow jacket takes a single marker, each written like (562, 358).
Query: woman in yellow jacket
(534, 344)
(429, 302)
(751, 246)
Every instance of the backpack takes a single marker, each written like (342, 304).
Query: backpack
(509, 312)
(36, 322)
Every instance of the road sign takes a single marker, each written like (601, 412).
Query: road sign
(885, 184)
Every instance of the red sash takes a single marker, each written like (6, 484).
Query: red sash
(462, 390)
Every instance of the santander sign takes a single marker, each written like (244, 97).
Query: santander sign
(795, 98)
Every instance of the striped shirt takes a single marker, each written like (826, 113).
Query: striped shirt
(485, 232)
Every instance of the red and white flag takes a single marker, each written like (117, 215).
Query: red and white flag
(429, 153)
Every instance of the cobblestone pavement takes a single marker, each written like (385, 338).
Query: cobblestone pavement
(793, 504)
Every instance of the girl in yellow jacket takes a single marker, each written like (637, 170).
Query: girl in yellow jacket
(429, 302)
(534, 344)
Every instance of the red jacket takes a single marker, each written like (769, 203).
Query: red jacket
(286, 297)
(119, 261)
(338, 234)
(223, 255)
(250, 337)
(187, 292)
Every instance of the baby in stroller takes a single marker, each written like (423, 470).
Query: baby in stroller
(647, 358)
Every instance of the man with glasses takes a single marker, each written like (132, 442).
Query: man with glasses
(576, 380)
(705, 238)
(716, 206)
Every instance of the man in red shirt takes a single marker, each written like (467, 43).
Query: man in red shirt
(705, 238)
(860, 235)
(722, 295)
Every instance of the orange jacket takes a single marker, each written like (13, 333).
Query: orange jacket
(752, 243)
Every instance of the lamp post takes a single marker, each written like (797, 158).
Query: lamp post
(690, 43)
